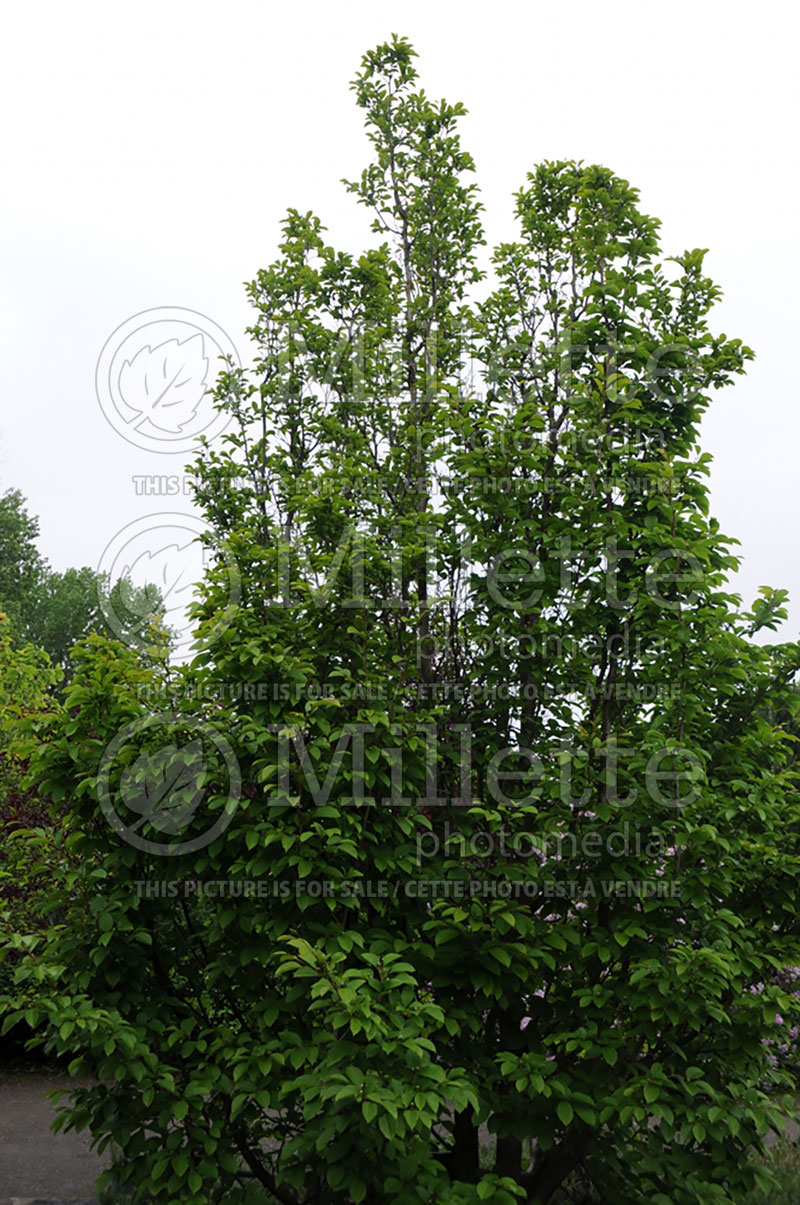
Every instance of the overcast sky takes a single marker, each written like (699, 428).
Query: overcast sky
(150, 151)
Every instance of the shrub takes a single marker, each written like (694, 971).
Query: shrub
(515, 779)
(26, 866)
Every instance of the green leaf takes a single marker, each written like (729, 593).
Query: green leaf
(180, 1163)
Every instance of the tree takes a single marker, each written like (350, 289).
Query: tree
(79, 601)
(26, 881)
(52, 609)
(516, 780)
(21, 565)
(65, 607)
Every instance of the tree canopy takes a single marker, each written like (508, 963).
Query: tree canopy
(52, 609)
(461, 865)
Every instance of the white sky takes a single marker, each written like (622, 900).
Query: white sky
(150, 150)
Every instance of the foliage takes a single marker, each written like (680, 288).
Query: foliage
(52, 609)
(26, 882)
(519, 815)
(783, 1161)
(20, 562)
(782, 1045)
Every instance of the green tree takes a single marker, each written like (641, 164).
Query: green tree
(65, 606)
(26, 882)
(51, 609)
(517, 781)
(21, 565)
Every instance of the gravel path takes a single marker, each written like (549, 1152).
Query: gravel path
(37, 1165)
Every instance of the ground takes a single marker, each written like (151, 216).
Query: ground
(38, 1167)
(36, 1164)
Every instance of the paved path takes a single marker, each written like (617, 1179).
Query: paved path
(38, 1167)
(36, 1164)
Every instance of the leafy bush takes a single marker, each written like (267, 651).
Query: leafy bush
(26, 881)
(480, 808)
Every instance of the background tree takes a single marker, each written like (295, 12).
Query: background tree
(26, 880)
(21, 565)
(51, 609)
(503, 699)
